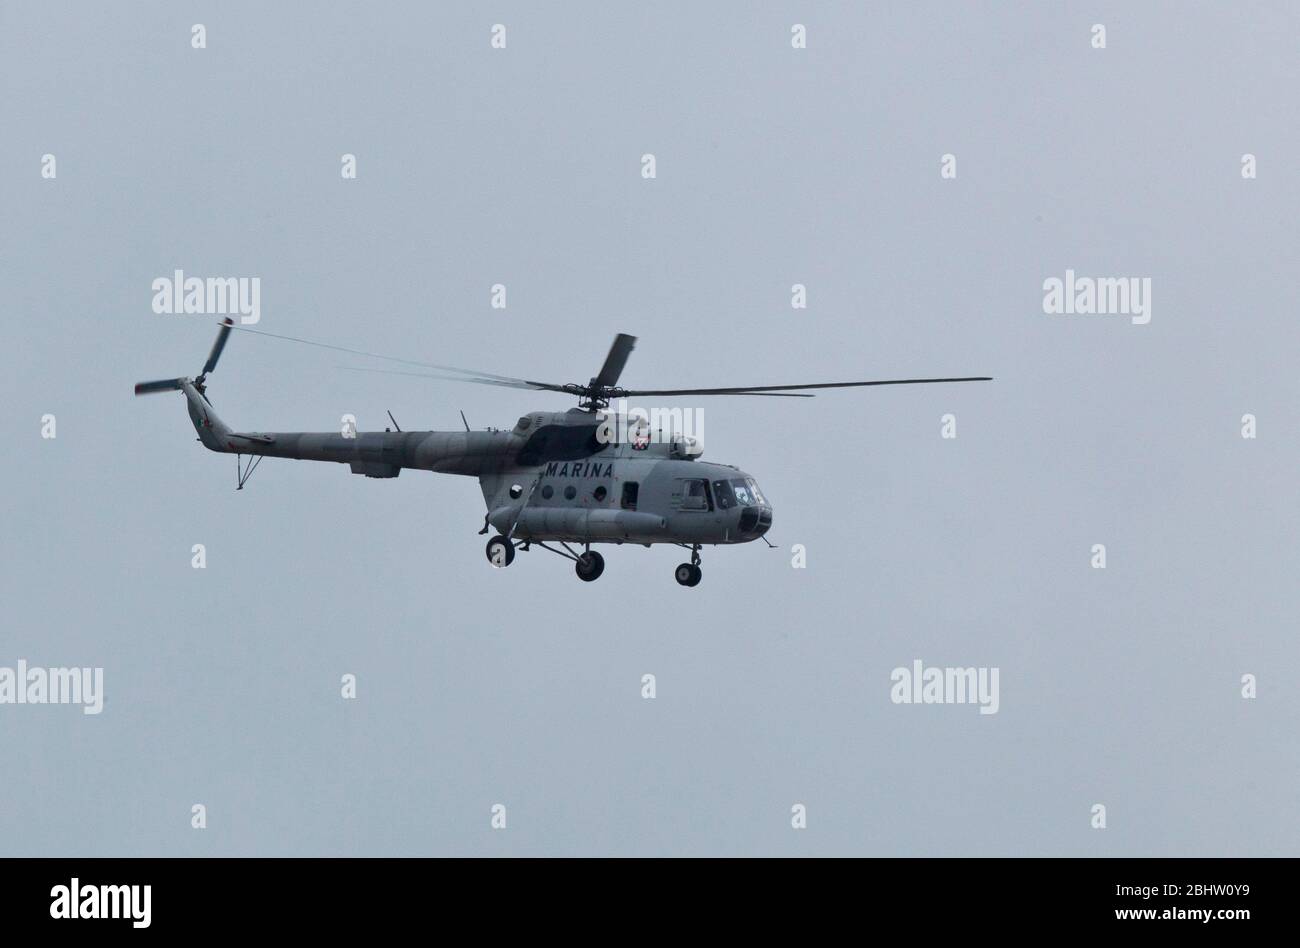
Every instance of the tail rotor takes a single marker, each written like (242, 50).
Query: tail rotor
(217, 345)
(169, 385)
(162, 385)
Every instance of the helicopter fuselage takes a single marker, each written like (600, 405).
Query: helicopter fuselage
(555, 476)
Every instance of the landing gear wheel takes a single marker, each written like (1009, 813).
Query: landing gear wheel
(500, 552)
(688, 574)
(589, 566)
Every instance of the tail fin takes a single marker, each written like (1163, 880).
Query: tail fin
(212, 431)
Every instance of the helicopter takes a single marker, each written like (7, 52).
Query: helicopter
(556, 480)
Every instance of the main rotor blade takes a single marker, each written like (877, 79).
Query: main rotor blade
(767, 389)
(386, 358)
(614, 362)
(162, 385)
(218, 344)
(504, 383)
(528, 386)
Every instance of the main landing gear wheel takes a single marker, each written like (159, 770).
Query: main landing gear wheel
(589, 566)
(688, 574)
(500, 552)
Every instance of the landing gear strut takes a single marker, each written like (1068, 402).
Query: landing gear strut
(245, 472)
(588, 564)
(689, 574)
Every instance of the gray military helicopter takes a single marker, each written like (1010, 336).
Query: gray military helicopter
(580, 477)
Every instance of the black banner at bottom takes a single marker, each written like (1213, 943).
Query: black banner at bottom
(338, 896)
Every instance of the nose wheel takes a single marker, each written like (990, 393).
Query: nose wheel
(689, 574)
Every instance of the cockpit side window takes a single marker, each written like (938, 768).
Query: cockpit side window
(723, 495)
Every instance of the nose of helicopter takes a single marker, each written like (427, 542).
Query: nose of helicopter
(750, 508)
(755, 521)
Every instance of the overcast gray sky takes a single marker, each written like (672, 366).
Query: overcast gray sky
(775, 166)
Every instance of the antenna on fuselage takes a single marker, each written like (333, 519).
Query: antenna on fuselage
(462, 419)
(394, 421)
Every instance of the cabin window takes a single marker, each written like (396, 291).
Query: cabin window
(548, 491)
(630, 491)
(600, 493)
(570, 492)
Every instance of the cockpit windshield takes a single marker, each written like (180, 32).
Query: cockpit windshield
(738, 492)
(747, 492)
